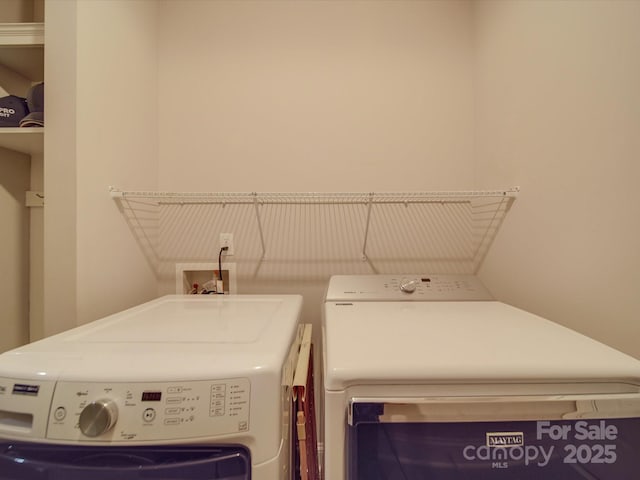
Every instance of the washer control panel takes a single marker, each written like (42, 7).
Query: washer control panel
(409, 287)
(131, 412)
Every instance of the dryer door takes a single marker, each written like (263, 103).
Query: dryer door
(528, 438)
(22, 461)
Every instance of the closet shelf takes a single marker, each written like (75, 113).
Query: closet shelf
(20, 34)
(24, 140)
(22, 49)
(461, 223)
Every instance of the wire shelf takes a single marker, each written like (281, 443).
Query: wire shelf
(313, 197)
(445, 227)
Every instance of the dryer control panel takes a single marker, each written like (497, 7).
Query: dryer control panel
(131, 412)
(407, 287)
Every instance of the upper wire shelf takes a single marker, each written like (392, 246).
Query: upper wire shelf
(474, 214)
(313, 197)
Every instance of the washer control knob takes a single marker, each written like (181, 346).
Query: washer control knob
(98, 417)
(409, 286)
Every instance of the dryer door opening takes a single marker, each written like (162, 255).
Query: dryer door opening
(562, 438)
(22, 461)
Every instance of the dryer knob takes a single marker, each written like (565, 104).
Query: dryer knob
(98, 417)
(409, 286)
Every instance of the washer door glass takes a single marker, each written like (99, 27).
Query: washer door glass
(22, 461)
(384, 445)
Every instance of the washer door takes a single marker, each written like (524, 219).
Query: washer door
(22, 461)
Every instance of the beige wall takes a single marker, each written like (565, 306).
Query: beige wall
(558, 114)
(101, 131)
(14, 249)
(36, 252)
(117, 145)
(315, 96)
(60, 170)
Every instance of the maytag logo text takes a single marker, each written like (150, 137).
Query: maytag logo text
(505, 439)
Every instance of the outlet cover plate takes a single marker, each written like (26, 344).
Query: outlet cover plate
(226, 240)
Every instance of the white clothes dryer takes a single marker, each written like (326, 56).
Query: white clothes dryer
(428, 377)
(194, 387)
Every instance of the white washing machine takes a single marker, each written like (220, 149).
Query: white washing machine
(182, 387)
(427, 377)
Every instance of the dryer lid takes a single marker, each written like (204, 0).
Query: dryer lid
(369, 343)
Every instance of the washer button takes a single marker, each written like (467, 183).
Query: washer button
(60, 414)
(149, 415)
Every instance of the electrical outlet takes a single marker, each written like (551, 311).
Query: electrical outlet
(226, 240)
